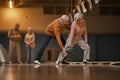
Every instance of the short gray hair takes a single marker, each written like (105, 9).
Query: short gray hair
(78, 15)
(65, 17)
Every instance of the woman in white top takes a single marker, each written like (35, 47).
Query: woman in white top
(30, 45)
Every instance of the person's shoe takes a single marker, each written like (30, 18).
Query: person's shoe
(57, 62)
(115, 63)
(86, 62)
(65, 62)
(10, 62)
(36, 66)
(36, 62)
(20, 62)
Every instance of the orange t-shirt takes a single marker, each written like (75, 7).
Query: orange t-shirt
(54, 29)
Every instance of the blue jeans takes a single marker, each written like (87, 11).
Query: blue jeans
(45, 41)
(30, 54)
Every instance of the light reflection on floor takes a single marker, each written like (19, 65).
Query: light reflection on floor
(50, 71)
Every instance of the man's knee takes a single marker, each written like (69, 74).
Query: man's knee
(87, 48)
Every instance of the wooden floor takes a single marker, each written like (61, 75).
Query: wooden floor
(50, 71)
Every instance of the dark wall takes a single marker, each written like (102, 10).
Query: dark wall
(108, 47)
(103, 47)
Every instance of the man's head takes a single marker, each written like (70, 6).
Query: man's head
(17, 25)
(78, 16)
(65, 19)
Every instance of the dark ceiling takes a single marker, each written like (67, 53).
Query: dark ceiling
(106, 7)
(39, 3)
(35, 3)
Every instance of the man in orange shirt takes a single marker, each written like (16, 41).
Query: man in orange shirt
(54, 30)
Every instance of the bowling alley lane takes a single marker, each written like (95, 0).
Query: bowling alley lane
(50, 71)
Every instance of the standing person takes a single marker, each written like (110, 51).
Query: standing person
(53, 30)
(77, 36)
(30, 45)
(14, 35)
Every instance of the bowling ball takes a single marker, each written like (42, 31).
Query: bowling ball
(19, 37)
(69, 50)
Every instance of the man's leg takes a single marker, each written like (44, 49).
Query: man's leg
(46, 39)
(11, 49)
(18, 49)
(86, 49)
(61, 56)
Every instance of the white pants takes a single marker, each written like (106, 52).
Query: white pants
(81, 43)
